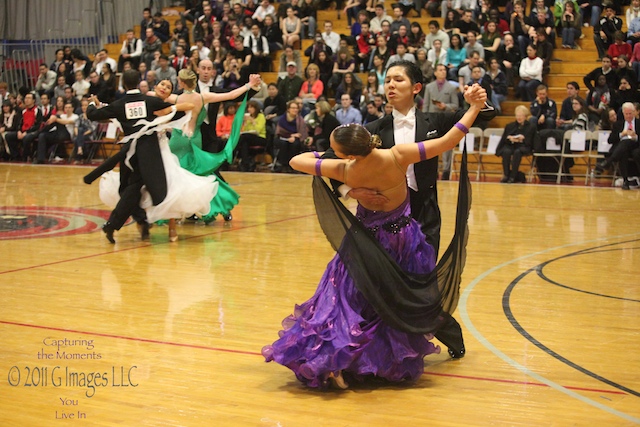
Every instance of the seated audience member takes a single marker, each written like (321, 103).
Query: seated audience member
(313, 88)
(160, 27)
(624, 144)
(289, 54)
(498, 83)
(625, 93)
(464, 73)
(165, 72)
(344, 64)
(604, 70)
(565, 120)
(58, 89)
(322, 122)
(624, 71)
(618, 48)
(260, 53)
(271, 30)
(598, 98)
(544, 111)
(440, 96)
(426, 67)
(291, 28)
(456, 54)
(435, 33)
(9, 124)
(81, 86)
(580, 118)
(65, 124)
(101, 58)
(436, 55)
(544, 50)
(28, 127)
(232, 78)
(291, 134)
(491, 40)
(351, 86)
(180, 59)
(516, 142)
(289, 86)
(84, 131)
(604, 30)
(530, 74)
(254, 133)
(46, 80)
(151, 45)
(571, 21)
(110, 84)
(472, 45)
(225, 122)
(347, 114)
(372, 113)
(509, 57)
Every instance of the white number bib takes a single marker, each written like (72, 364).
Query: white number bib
(135, 110)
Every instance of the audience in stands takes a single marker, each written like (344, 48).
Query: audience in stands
(347, 113)
(605, 29)
(516, 142)
(291, 133)
(544, 111)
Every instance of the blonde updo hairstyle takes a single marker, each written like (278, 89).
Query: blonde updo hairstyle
(188, 77)
(355, 140)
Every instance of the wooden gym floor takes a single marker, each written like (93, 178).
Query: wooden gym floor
(169, 334)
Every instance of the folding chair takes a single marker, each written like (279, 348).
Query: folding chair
(492, 138)
(599, 148)
(551, 140)
(474, 146)
(575, 145)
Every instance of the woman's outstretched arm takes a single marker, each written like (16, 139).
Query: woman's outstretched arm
(211, 97)
(312, 164)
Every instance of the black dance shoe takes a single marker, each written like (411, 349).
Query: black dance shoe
(625, 185)
(108, 230)
(143, 228)
(457, 354)
(227, 217)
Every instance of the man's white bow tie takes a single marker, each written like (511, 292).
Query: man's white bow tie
(405, 121)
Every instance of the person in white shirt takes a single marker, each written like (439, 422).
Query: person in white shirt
(265, 8)
(401, 53)
(259, 49)
(102, 58)
(131, 51)
(81, 86)
(330, 38)
(435, 33)
(201, 48)
(64, 131)
(46, 80)
(437, 55)
(375, 25)
(530, 74)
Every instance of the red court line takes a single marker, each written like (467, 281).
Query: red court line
(227, 230)
(252, 353)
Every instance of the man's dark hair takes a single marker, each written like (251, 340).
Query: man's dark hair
(130, 79)
(146, 9)
(434, 23)
(163, 56)
(574, 84)
(411, 69)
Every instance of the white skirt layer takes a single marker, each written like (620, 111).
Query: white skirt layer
(187, 194)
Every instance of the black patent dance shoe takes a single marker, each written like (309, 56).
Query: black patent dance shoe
(143, 228)
(228, 217)
(108, 230)
(457, 354)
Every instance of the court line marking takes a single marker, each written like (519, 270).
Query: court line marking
(253, 353)
(464, 315)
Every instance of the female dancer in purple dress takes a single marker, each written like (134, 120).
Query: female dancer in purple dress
(358, 325)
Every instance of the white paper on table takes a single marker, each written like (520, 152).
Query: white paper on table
(603, 142)
(578, 141)
(112, 131)
(552, 145)
(470, 140)
(494, 140)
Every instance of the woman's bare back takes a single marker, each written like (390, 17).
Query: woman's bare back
(196, 99)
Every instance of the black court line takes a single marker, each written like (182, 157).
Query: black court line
(506, 306)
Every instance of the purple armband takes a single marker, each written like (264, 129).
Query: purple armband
(318, 167)
(316, 154)
(423, 152)
(462, 127)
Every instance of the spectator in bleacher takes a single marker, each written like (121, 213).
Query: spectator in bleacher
(289, 54)
(291, 28)
(231, 76)
(544, 111)
(325, 64)
(571, 22)
(343, 64)
(472, 45)
(465, 24)
(491, 41)
(516, 142)
(180, 31)
(580, 118)
(312, 88)
(102, 58)
(371, 88)
(599, 98)
(80, 62)
(156, 60)
(371, 113)
(271, 30)
(542, 23)
(318, 46)
(309, 17)
(161, 27)
(509, 56)
(435, 33)
(238, 12)
(225, 15)
(347, 113)
(605, 29)
(260, 54)
(58, 89)
(619, 47)
(165, 72)
(364, 45)
(544, 50)
(203, 30)
(417, 38)
(63, 130)
(152, 79)
(450, 20)
(530, 74)
(425, 66)
(398, 19)
(194, 61)
(624, 70)
(131, 51)
(633, 31)
(456, 55)
(151, 45)
(519, 27)
(180, 60)
(225, 122)
(624, 141)
(59, 60)
(444, 5)
(217, 34)
(147, 22)
(291, 134)
(632, 12)
(142, 69)
(217, 55)
(464, 73)
(565, 119)
(538, 7)
(45, 107)
(265, 8)
(331, 38)
(379, 67)
(203, 51)
(46, 80)
(385, 32)
(351, 9)
(84, 130)
(403, 54)
(440, 96)
(382, 51)
(96, 85)
(243, 55)
(436, 55)
(254, 133)
(590, 11)
(70, 97)
(607, 119)
(9, 124)
(604, 70)
(501, 24)
(626, 93)
(399, 37)
(289, 86)
(498, 82)
(274, 104)
(380, 15)
(351, 86)
(321, 122)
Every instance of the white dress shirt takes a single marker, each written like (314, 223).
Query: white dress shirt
(404, 132)
(205, 88)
